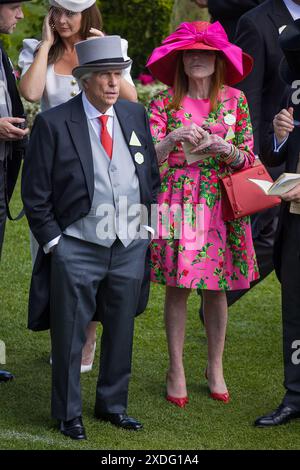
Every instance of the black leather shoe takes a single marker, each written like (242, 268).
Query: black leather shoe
(5, 376)
(73, 428)
(120, 420)
(283, 414)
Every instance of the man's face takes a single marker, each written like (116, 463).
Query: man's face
(10, 14)
(103, 89)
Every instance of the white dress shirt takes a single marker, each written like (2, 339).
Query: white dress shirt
(293, 8)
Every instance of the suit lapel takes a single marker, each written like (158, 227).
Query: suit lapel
(279, 14)
(78, 128)
(127, 122)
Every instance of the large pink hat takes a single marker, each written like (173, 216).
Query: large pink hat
(199, 35)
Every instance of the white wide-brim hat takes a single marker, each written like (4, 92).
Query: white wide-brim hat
(72, 5)
(99, 54)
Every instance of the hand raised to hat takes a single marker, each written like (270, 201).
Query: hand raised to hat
(96, 33)
(201, 3)
(47, 32)
(283, 124)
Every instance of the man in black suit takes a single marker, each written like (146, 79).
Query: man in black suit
(90, 170)
(286, 148)
(11, 137)
(228, 12)
(257, 34)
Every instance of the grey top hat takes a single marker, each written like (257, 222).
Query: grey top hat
(99, 54)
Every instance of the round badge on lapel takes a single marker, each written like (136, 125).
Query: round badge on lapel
(139, 158)
(230, 119)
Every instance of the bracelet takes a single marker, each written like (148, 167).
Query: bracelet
(235, 157)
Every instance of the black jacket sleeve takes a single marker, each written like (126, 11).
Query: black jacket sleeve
(250, 39)
(37, 183)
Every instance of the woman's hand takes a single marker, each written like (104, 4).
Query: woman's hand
(283, 124)
(96, 33)
(192, 134)
(47, 32)
(201, 3)
(212, 144)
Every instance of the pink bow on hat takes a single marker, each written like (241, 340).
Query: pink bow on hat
(213, 36)
(187, 34)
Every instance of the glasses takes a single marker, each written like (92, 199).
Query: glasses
(58, 12)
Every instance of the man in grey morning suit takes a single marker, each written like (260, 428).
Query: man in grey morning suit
(86, 159)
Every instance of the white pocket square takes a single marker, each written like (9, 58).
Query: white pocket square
(134, 140)
(282, 28)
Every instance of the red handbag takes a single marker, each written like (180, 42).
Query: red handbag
(241, 197)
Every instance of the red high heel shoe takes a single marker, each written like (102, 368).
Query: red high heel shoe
(224, 397)
(181, 402)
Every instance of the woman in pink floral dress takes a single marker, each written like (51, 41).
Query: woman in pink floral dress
(201, 127)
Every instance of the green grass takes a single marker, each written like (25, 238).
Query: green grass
(253, 368)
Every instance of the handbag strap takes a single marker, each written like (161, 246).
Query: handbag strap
(8, 213)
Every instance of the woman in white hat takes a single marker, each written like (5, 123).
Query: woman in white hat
(47, 77)
(47, 64)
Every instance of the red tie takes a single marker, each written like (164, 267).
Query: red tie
(105, 137)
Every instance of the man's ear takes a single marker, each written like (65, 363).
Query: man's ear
(85, 84)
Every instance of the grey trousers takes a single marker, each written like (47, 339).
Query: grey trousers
(2, 207)
(84, 277)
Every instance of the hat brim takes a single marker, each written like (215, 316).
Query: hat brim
(81, 70)
(164, 69)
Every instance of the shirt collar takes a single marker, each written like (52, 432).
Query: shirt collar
(92, 112)
(293, 8)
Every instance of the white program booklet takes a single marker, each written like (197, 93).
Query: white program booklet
(192, 157)
(283, 184)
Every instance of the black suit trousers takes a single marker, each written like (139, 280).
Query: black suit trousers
(290, 280)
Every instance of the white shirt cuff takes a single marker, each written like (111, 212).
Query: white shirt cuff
(49, 245)
(277, 146)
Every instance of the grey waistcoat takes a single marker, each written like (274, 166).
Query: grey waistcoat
(114, 179)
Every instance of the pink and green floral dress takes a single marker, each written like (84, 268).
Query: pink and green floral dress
(194, 247)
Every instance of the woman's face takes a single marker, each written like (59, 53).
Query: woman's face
(67, 23)
(199, 64)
